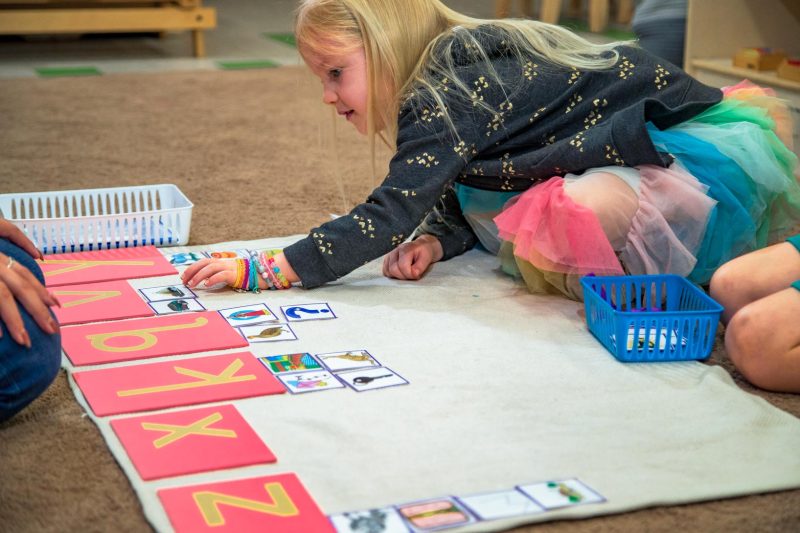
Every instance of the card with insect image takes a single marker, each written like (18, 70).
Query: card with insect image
(385, 520)
(246, 315)
(500, 504)
(563, 493)
(312, 381)
(179, 305)
(290, 362)
(436, 514)
(184, 258)
(268, 333)
(337, 361)
(317, 311)
(167, 292)
(371, 378)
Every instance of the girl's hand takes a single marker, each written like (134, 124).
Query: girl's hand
(19, 286)
(410, 260)
(211, 271)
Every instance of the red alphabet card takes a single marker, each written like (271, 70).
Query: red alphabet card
(105, 265)
(278, 504)
(94, 302)
(191, 441)
(146, 387)
(123, 340)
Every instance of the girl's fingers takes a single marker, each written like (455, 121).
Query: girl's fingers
(219, 277)
(225, 268)
(193, 269)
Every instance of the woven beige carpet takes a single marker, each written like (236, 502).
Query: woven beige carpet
(252, 150)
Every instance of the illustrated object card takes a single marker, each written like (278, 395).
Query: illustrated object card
(268, 333)
(167, 292)
(371, 378)
(313, 381)
(247, 315)
(297, 313)
(386, 520)
(433, 515)
(502, 504)
(336, 361)
(94, 302)
(278, 504)
(142, 338)
(229, 254)
(168, 307)
(190, 441)
(564, 493)
(185, 258)
(150, 386)
(291, 362)
(104, 265)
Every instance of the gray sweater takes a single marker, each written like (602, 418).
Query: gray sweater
(549, 120)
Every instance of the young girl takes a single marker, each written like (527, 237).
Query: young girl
(565, 157)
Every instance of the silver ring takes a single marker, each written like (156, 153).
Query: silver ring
(10, 262)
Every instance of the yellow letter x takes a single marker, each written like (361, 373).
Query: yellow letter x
(177, 432)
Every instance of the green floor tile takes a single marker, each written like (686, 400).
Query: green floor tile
(64, 72)
(285, 38)
(245, 65)
(582, 26)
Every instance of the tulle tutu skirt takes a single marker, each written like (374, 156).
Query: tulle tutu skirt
(730, 190)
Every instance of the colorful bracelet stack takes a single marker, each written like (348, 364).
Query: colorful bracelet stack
(263, 264)
(246, 276)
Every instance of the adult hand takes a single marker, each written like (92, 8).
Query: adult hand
(19, 285)
(410, 260)
(14, 234)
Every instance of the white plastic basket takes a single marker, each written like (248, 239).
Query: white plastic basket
(98, 219)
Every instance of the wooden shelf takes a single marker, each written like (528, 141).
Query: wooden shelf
(28, 17)
(764, 77)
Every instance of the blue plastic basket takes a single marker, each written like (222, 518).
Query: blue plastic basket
(650, 318)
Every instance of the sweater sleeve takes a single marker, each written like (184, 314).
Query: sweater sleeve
(447, 223)
(422, 170)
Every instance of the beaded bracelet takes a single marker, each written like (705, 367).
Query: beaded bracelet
(261, 266)
(279, 281)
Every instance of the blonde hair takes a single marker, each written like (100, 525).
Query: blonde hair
(408, 46)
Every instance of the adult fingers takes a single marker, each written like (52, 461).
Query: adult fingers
(9, 314)
(15, 235)
(47, 297)
(26, 293)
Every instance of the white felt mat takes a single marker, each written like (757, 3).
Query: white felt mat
(505, 389)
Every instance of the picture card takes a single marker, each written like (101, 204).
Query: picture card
(268, 333)
(297, 313)
(278, 504)
(385, 520)
(185, 258)
(167, 292)
(190, 441)
(167, 307)
(141, 338)
(229, 254)
(433, 515)
(150, 386)
(336, 361)
(246, 315)
(501, 504)
(104, 265)
(371, 378)
(313, 381)
(95, 302)
(291, 362)
(564, 493)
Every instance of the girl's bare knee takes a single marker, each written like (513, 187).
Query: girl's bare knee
(747, 349)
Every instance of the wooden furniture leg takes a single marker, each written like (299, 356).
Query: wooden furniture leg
(598, 15)
(502, 8)
(624, 11)
(550, 11)
(198, 43)
(527, 8)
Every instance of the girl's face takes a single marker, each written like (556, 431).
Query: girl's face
(344, 84)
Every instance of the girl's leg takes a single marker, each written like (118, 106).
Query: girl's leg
(763, 340)
(754, 276)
